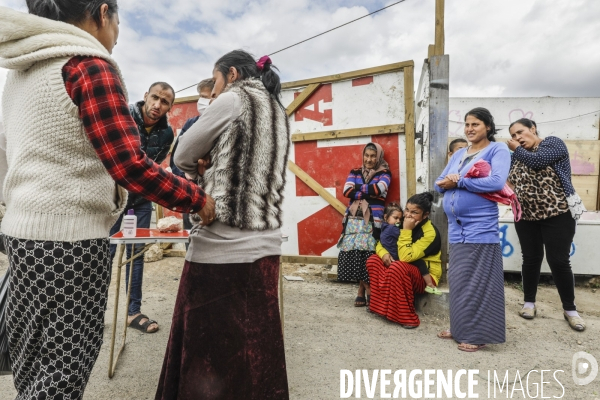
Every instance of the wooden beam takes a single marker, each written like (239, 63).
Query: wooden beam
(409, 130)
(430, 51)
(439, 28)
(350, 75)
(314, 185)
(587, 188)
(302, 97)
(327, 79)
(347, 133)
(159, 212)
(186, 99)
(309, 260)
(598, 184)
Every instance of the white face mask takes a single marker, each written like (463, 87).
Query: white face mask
(202, 104)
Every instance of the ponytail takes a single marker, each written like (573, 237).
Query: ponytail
(247, 67)
(422, 200)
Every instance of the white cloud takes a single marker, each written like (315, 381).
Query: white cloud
(497, 48)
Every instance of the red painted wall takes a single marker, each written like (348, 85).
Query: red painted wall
(330, 167)
(180, 113)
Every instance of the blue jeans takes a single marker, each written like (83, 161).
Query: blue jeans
(143, 212)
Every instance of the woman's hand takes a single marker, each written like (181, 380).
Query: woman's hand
(208, 211)
(513, 144)
(387, 259)
(203, 165)
(453, 177)
(409, 222)
(448, 182)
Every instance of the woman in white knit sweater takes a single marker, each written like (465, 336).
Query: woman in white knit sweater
(72, 149)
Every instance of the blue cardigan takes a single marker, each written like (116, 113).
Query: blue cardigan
(472, 218)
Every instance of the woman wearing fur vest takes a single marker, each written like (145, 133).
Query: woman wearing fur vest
(73, 151)
(226, 340)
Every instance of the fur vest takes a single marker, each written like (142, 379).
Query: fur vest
(247, 176)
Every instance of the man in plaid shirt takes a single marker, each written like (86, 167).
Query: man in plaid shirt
(95, 88)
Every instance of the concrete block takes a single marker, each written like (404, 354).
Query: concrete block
(331, 275)
(434, 305)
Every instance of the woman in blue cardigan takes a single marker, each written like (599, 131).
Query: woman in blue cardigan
(475, 272)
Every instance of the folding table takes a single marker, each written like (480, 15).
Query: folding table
(143, 236)
(150, 237)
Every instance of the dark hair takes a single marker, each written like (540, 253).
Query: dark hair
(422, 200)
(390, 208)
(529, 123)
(245, 64)
(484, 115)
(164, 86)
(454, 143)
(71, 11)
(204, 84)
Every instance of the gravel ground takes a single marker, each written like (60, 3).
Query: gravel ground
(324, 334)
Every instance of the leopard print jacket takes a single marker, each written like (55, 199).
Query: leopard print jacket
(540, 192)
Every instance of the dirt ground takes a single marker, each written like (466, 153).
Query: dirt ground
(324, 334)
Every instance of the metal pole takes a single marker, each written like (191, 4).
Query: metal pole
(439, 109)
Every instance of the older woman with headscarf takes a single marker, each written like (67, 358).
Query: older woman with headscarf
(367, 188)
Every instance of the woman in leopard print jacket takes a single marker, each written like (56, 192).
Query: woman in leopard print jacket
(541, 175)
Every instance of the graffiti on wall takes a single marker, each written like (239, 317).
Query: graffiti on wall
(508, 249)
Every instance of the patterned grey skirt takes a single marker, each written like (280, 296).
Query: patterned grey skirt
(55, 314)
(476, 280)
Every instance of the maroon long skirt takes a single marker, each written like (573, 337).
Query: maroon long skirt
(226, 340)
(393, 290)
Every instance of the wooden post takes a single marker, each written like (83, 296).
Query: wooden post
(430, 51)
(159, 212)
(302, 97)
(409, 130)
(314, 185)
(439, 28)
(598, 188)
(439, 108)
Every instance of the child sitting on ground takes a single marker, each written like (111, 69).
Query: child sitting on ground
(390, 232)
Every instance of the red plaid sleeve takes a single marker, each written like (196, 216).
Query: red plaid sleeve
(94, 86)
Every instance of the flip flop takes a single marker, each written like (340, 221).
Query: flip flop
(360, 301)
(445, 334)
(135, 324)
(433, 290)
(464, 347)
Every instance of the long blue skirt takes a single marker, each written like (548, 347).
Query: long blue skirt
(476, 280)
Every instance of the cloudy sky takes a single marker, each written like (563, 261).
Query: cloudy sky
(496, 48)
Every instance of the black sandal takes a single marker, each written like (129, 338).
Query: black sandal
(360, 301)
(135, 323)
